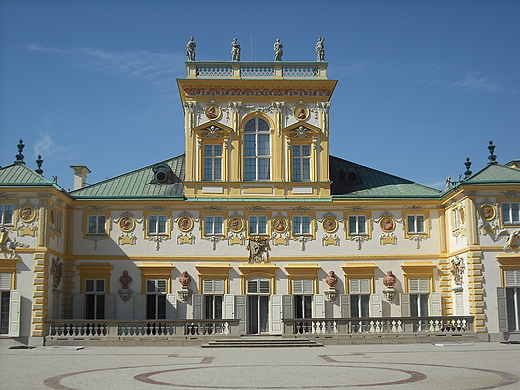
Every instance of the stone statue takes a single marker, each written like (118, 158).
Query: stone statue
(457, 269)
(331, 279)
(389, 279)
(235, 50)
(278, 50)
(56, 272)
(125, 280)
(185, 279)
(320, 49)
(190, 50)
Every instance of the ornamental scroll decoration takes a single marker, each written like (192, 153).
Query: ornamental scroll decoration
(258, 248)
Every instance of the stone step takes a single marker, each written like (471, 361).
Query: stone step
(252, 342)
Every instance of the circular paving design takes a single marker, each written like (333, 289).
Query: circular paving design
(332, 375)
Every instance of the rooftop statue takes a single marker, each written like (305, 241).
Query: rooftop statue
(235, 50)
(320, 49)
(190, 49)
(278, 50)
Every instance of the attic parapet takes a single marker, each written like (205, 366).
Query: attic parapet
(250, 70)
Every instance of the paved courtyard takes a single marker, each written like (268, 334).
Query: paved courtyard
(409, 366)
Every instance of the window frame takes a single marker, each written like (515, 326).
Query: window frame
(257, 224)
(212, 159)
(257, 157)
(213, 223)
(167, 222)
(510, 213)
(299, 226)
(3, 213)
(304, 163)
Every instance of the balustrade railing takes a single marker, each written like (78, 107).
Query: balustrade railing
(137, 329)
(382, 325)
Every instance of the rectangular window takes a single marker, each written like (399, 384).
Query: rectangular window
(303, 306)
(6, 214)
(415, 224)
(212, 162)
(156, 290)
(157, 225)
(510, 213)
(456, 216)
(359, 290)
(301, 162)
(97, 224)
(213, 226)
(301, 225)
(95, 299)
(419, 289)
(257, 225)
(213, 307)
(357, 225)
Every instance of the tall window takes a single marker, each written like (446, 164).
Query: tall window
(213, 290)
(257, 150)
(301, 225)
(97, 224)
(510, 213)
(415, 224)
(357, 225)
(156, 290)
(301, 162)
(6, 214)
(213, 226)
(157, 225)
(257, 225)
(212, 162)
(419, 289)
(359, 298)
(512, 283)
(5, 299)
(95, 299)
(303, 290)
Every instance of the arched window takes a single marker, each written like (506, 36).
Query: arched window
(257, 150)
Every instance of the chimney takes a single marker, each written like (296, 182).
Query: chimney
(80, 176)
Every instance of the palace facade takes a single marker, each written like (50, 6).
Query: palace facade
(257, 230)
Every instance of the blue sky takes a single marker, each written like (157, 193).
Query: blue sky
(422, 84)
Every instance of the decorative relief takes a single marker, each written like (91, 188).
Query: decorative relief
(511, 240)
(512, 194)
(387, 223)
(457, 270)
(213, 111)
(185, 238)
(488, 221)
(8, 245)
(255, 92)
(301, 112)
(258, 248)
(56, 271)
(127, 223)
(280, 230)
(28, 223)
(185, 223)
(236, 224)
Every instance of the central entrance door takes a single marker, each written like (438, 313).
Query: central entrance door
(258, 290)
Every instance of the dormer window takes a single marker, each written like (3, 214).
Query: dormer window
(162, 174)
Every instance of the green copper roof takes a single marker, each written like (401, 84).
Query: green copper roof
(137, 184)
(357, 181)
(495, 174)
(20, 174)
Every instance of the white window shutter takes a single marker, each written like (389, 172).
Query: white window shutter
(276, 314)
(161, 286)
(376, 305)
(240, 313)
(110, 306)
(287, 306)
(229, 307)
(5, 281)
(405, 305)
(218, 286)
(297, 287)
(207, 286)
(197, 306)
(171, 306)
(502, 310)
(78, 306)
(308, 286)
(424, 285)
(512, 278)
(435, 304)
(413, 285)
(319, 305)
(265, 286)
(14, 313)
(140, 306)
(354, 286)
(364, 286)
(344, 303)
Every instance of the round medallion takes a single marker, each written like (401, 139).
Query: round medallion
(487, 212)
(185, 223)
(301, 112)
(27, 213)
(330, 224)
(212, 111)
(387, 224)
(126, 224)
(280, 224)
(235, 224)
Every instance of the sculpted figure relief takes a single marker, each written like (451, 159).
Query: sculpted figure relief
(258, 250)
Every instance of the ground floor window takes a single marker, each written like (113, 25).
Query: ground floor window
(513, 308)
(359, 297)
(95, 299)
(419, 305)
(5, 299)
(156, 299)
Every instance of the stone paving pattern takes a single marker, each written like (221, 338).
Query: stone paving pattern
(408, 366)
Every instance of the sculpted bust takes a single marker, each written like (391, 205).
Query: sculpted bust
(389, 279)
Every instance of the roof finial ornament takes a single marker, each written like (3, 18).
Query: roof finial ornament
(468, 166)
(39, 163)
(492, 158)
(20, 156)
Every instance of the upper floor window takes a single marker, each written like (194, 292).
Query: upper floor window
(213, 226)
(97, 224)
(257, 225)
(357, 225)
(510, 213)
(415, 224)
(257, 150)
(6, 214)
(212, 162)
(301, 225)
(301, 162)
(157, 225)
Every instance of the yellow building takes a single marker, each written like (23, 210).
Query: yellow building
(257, 230)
